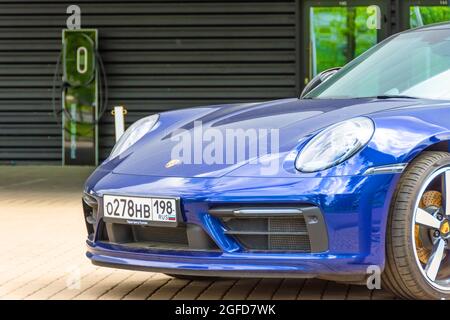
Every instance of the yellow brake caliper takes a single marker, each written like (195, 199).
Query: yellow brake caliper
(429, 198)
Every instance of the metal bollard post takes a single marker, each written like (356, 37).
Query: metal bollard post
(119, 113)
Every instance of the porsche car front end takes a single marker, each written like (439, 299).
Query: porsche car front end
(240, 226)
(240, 220)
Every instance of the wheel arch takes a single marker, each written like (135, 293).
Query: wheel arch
(438, 142)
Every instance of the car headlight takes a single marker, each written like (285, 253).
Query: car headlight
(134, 133)
(335, 144)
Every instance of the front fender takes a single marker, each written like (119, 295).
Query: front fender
(403, 137)
(427, 143)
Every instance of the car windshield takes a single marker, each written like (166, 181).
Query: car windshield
(413, 64)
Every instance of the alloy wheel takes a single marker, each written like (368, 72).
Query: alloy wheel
(431, 229)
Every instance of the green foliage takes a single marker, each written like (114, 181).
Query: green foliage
(429, 15)
(341, 34)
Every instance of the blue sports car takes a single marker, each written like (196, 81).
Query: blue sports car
(348, 182)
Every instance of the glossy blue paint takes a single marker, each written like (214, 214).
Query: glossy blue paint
(355, 206)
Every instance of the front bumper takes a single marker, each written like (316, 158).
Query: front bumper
(223, 264)
(354, 209)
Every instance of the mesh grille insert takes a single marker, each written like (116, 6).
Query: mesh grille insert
(290, 243)
(269, 233)
(287, 224)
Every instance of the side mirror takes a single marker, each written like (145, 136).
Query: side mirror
(319, 79)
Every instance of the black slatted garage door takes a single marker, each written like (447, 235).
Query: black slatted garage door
(159, 55)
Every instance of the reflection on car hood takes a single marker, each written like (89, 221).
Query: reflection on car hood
(293, 119)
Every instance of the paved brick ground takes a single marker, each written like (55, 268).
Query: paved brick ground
(42, 257)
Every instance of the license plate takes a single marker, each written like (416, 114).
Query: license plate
(140, 210)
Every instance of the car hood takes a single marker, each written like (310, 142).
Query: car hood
(291, 120)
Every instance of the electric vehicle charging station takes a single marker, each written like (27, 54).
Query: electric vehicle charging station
(80, 104)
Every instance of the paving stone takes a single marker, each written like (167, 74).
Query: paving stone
(193, 290)
(312, 290)
(265, 289)
(217, 290)
(148, 287)
(335, 291)
(169, 289)
(289, 289)
(359, 293)
(241, 289)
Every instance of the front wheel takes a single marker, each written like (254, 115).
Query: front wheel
(418, 230)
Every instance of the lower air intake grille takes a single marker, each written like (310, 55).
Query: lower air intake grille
(297, 239)
(274, 228)
(279, 234)
(184, 237)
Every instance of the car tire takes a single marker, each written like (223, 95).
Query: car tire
(404, 274)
